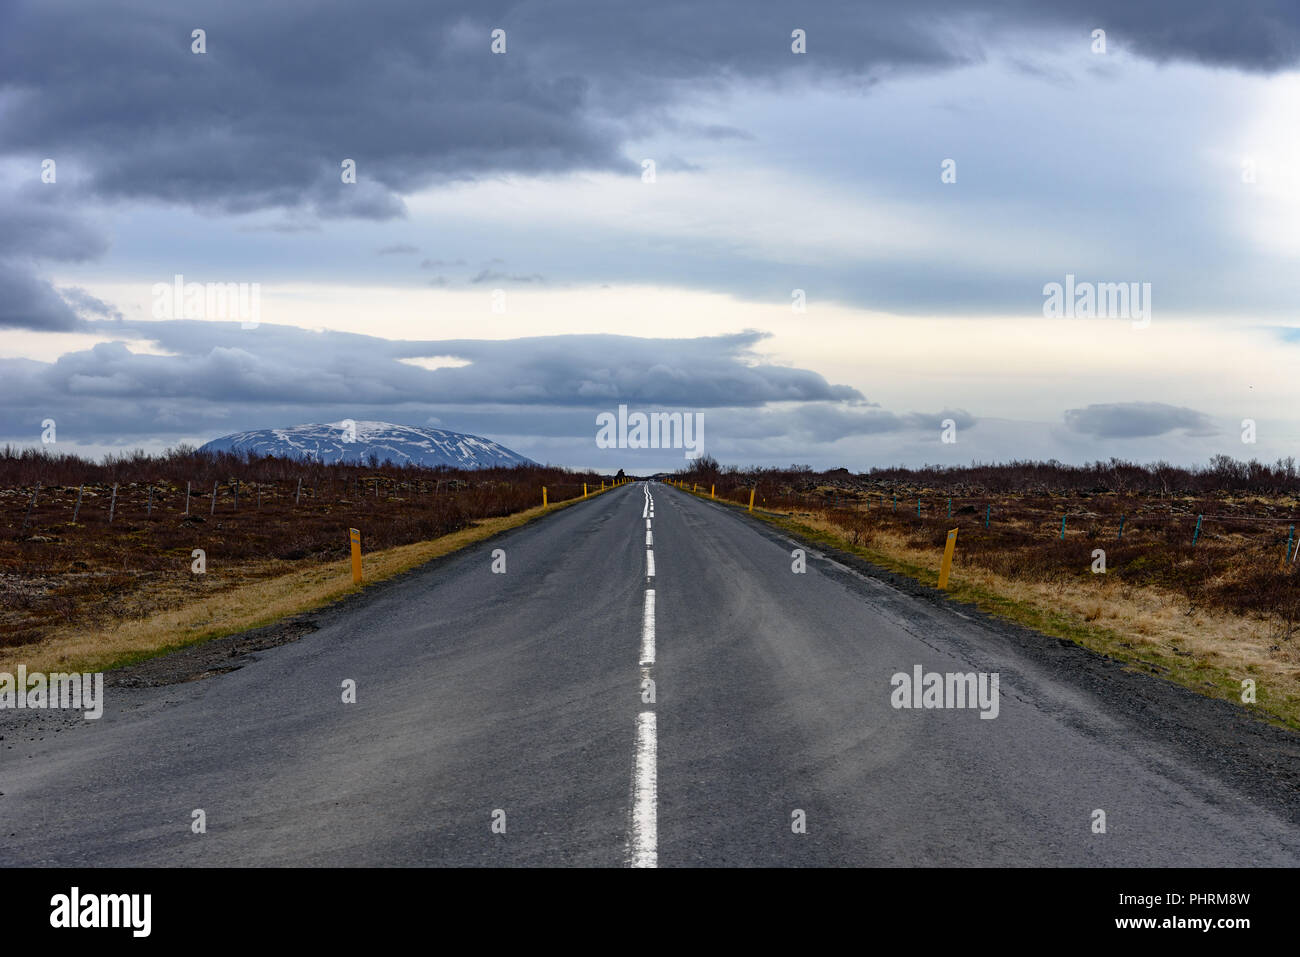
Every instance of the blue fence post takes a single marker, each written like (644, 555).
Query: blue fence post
(987, 512)
(1121, 528)
(1197, 534)
(950, 508)
(1062, 528)
(918, 508)
(1289, 535)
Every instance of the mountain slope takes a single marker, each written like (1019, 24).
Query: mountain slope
(399, 444)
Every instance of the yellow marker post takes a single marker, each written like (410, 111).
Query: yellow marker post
(712, 489)
(584, 489)
(751, 499)
(355, 535)
(602, 485)
(543, 496)
(946, 567)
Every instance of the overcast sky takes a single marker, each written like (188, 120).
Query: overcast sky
(504, 264)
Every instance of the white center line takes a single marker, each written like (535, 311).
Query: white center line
(643, 842)
(645, 788)
(648, 629)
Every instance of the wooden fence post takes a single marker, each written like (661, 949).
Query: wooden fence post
(31, 505)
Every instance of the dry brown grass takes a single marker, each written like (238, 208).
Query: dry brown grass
(241, 606)
(96, 575)
(1206, 616)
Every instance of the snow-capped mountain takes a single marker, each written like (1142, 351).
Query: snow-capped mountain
(350, 441)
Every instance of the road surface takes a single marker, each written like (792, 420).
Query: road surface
(519, 702)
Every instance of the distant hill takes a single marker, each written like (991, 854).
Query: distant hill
(398, 444)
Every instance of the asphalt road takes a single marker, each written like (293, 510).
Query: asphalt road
(525, 693)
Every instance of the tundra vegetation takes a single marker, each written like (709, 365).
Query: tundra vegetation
(272, 516)
(1209, 606)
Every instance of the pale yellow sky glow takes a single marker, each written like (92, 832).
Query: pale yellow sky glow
(1019, 368)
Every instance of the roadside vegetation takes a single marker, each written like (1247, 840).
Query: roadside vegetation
(90, 577)
(1207, 607)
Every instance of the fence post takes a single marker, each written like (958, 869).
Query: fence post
(31, 505)
(1062, 528)
(1197, 534)
(112, 505)
(946, 566)
(148, 509)
(1289, 535)
(236, 495)
(1120, 536)
(297, 496)
(187, 498)
(354, 535)
(950, 508)
(988, 510)
(918, 508)
(213, 509)
(259, 495)
(77, 509)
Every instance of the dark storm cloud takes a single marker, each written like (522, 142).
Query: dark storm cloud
(410, 91)
(28, 302)
(38, 227)
(84, 303)
(223, 377)
(1137, 420)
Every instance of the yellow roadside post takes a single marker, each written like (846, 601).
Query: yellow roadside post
(355, 535)
(712, 489)
(751, 499)
(584, 489)
(543, 496)
(602, 485)
(946, 567)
